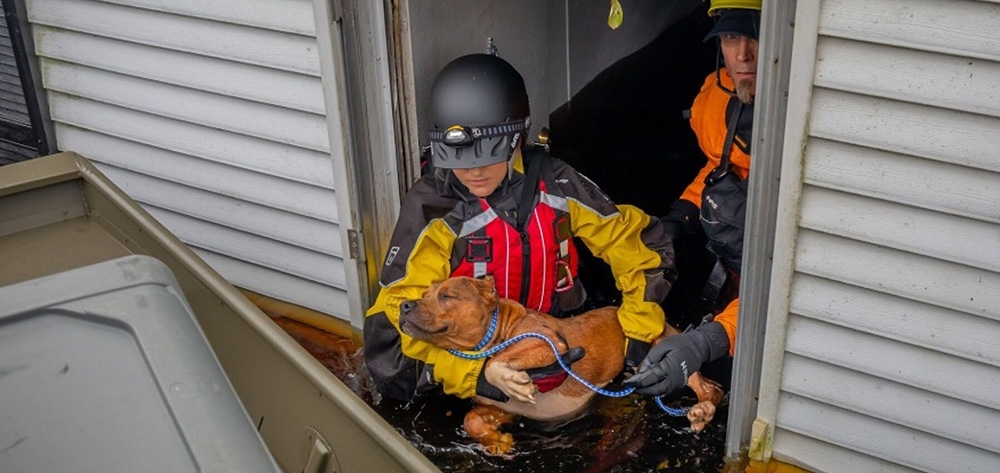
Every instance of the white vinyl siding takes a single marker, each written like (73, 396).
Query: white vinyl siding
(212, 115)
(13, 107)
(889, 353)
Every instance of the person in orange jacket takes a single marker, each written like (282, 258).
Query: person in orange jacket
(722, 118)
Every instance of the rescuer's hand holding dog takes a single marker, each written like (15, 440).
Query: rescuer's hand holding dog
(672, 360)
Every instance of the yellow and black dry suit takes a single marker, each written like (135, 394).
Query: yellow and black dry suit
(711, 114)
(444, 231)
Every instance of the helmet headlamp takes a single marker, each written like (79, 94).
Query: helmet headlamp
(458, 136)
(453, 147)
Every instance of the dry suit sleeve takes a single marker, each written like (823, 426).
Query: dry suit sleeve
(395, 360)
(636, 247)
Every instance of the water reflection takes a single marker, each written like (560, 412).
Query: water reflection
(619, 435)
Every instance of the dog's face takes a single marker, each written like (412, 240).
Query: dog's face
(455, 313)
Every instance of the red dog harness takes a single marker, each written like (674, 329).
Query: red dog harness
(550, 382)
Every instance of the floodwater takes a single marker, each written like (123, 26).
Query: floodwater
(619, 435)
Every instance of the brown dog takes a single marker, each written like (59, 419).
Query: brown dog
(457, 313)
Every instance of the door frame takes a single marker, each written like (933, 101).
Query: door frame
(354, 45)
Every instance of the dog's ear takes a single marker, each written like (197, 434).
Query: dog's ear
(488, 279)
(488, 286)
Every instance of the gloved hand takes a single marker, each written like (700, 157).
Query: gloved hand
(550, 377)
(682, 219)
(673, 359)
(635, 352)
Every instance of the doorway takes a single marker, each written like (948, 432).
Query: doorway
(612, 99)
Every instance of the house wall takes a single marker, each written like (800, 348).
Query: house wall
(559, 46)
(14, 120)
(213, 116)
(882, 349)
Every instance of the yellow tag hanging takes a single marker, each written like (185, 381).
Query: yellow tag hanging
(616, 15)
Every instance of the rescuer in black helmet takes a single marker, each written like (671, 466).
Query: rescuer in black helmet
(494, 206)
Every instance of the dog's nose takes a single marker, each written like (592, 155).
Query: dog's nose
(407, 306)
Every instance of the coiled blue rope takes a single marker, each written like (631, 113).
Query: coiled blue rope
(673, 411)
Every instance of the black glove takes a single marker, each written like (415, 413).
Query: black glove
(675, 358)
(682, 219)
(635, 352)
(571, 356)
(552, 376)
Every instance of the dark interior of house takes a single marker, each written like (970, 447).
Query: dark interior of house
(626, 131)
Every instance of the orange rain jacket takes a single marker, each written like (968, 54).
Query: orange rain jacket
(708, 119)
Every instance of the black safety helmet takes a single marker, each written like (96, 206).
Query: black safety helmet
(479, 112)
(744, 22)
(735, 16)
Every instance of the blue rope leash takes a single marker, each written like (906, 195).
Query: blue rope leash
(676, 412)
(489, 333)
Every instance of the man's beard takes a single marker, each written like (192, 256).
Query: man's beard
(745, 91)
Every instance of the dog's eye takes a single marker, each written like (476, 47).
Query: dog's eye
(444, 297)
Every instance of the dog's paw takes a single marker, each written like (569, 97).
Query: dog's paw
(700, 415)
(499, 444)
(483, 423)
(514, 383)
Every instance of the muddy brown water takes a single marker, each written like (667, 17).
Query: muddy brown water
(619, 435)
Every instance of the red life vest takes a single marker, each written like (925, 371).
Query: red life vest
(493, 246)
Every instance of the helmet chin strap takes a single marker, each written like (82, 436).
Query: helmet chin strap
(718, 73)
(510, 163)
